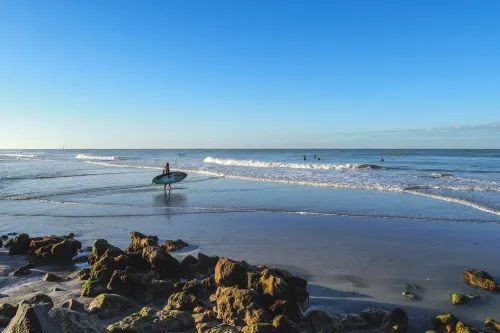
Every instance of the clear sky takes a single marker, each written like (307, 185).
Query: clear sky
(250, 74)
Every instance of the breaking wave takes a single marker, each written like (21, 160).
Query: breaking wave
(100, 158)
(260, 164)
(27, 156)
(441, 175)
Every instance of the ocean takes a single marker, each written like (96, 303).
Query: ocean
(330, 181)
(357, 228)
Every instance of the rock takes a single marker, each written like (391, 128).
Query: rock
(209, 283)
(106, 305)
(182, 300)
(206, 264)
(121, 283)
(73, 321)
(4, 321)
(211, 328)
(285, 325)
(174, 245)
(374, 316)
(239, 306)
(60, 253)
(459, 298)
(490, 323)
(139, 322)
(24, 270)
(5, 237)
(259, 328)
(291, 310)
(8, 242)
(203, 317)
(1, 242)
(74, 305)
(353, 322)
(20, 245)
(322, 321)
(84, 274)
(445, 323)
(37, 243)
(50, 277)
(187, 262)
(86, 249)
(32, 319)
(58, 289)
(7, 310)
(140, 241)
(409, 294)
(231, 273)
(193, 287)
(100, 248)
(12, 233)
(480, 279)
(161, 288)
(102, 271)
(40, 299)
(464, 328)
(161, 261)
(273, 285)
(174, 320)
(395, 322)
(80, 260)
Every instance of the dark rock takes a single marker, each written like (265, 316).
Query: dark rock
(60, 253)
(480, 279)
(101, 246)
(74, 305)
(84, 274)
(80, 260)
(374, 316)
(206, 264)
(73, 321)
(1, 242)
(102, 271)
(174, 245)
(58, 289)
(216, 328)
(126, 284)
(492, 324)
(231, 273)
(181, 301)
(20, 245)
(140, 241)
(322, 321)
(239, 306)
(285, 325)
(5, 237)
(4, 321)
(174, 320)
(86, 249)
(32, 319)
(7, 310)
(106, 305)
(445, 323)
(161, 261)
(259, 328)
(395, 322)
(161, 288)
(209, 283)
(50, 277)
(40, 299)
(289, 309)
(193, 287)
(8, 242)
(39, 242)
(12, 233)
(353, 322)
(139, 322)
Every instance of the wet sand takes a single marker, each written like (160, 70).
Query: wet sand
(350, 263)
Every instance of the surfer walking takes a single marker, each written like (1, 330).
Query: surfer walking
(166, 171)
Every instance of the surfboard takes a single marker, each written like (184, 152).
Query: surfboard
(171, 178)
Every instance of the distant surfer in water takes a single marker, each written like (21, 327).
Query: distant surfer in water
(382, 159)
(305, 158)
(166, 171)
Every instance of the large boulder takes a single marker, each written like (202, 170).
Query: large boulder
(205, 264)
(480, 279)
(231, 273)
(353, 321)
(106, 305)
(140, 241)
(39, 299)
(174, 320)
(161, 261)
(54, 250)
(32, 319)
(324, 322)
(8, 310)
(492, 324)
(73, 321)
(285, 325)
(101, 272)
(289, 309)
(127, 284)
(395, 322)
(148, 320)
(20, 245)
(239, 306)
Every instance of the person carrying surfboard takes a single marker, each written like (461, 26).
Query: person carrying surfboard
(166, 171)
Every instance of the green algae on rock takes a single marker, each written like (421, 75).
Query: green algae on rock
(480, 279)
(460, 298)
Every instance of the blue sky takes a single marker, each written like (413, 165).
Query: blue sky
(250, 74)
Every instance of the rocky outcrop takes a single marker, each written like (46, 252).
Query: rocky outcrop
(127, 284)
(231, 273)
(480, 279)
(259, 328)
(445, 323)
(149, 320)
(140, 242)
(174, 245)
(136, 322)
(102, 271)
(106, 305)
(83, 274)
(54, 250)
(19, 245)
(73, 321)
(322, 321)
(395, 322)
(239, 306)
(74, 305)
(174, 320)
(161, 261)
(374, 316)
(32, 319)
(284, 325)
(181, 301)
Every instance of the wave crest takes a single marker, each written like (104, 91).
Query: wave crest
(441, 175)
(18, 155)
(101, 158)
(260, 164)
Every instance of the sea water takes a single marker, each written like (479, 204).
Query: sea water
(338, 182)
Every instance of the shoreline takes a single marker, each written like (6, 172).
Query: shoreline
(350, 263)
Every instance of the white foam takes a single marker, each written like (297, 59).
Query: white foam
(19, 155)
(259, 164)
(93, 157)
